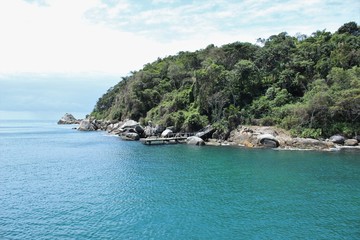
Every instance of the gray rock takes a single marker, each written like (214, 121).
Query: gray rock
(139, 129)
(309, 143)
(337, 139)
(195, 141)
(266, 136)
(131, 124)
(166, 133)
(269, 143)
(87, 125)
(68, 119)
(351, 142)
(206, 132)
(110, 127)
(268, 140)
(130, 136)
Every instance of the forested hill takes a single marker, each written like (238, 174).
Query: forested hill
(307, 84)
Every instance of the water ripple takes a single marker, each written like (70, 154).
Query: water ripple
(60, 184)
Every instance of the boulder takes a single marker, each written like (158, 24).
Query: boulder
(132, 124)
(104, 125)
(337, 139)
(113, 127)
(206, 133)
(129, 124)
(351, 142)
(357, 137)
(167, 133)
(139, 129)
(68, 119)
(195, 141)
(268, 140)
(87, 125)
(130, 136)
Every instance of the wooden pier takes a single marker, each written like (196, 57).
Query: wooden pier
(171, 139)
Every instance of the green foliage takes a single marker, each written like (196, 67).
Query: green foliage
(309, 85)
(195, 122)
(311, 133)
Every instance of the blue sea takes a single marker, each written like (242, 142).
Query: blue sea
(58, 183)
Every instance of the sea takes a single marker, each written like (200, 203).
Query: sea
(60, 183)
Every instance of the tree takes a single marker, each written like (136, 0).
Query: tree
(350, 28)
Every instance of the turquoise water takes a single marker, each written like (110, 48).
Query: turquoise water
(57, 183)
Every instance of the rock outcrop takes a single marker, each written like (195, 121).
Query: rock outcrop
(309, 143)
(68, 119)
(246, 136)
(253, 136)
(127, 130)
(195, 141)
(131, 124)
(88, 125)
(268, 140)
(272, 137)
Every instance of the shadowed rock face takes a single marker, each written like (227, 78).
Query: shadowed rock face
(269, 143)
(206, 133)
(268, 140)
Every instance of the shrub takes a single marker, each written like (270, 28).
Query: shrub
(195, 122)
(311, 133)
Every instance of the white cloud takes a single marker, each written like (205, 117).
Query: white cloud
(162, 1)
(117, 37)
(57, 38)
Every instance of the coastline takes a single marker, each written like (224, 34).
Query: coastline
(243, 136)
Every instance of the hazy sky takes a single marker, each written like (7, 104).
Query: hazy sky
(59, 56)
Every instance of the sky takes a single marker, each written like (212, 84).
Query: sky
(60, 56)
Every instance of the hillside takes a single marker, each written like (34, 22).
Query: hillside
(309, 85)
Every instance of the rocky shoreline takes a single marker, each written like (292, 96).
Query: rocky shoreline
(244, 136)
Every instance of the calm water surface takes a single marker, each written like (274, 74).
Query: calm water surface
(57, 183)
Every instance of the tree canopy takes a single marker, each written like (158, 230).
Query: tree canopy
(307, 84)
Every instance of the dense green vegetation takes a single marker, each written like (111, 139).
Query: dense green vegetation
(307, 84)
